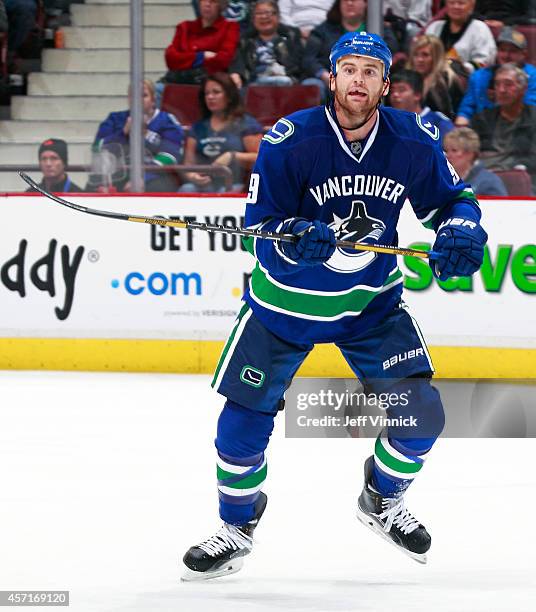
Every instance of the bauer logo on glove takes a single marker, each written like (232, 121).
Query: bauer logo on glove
(460, 248)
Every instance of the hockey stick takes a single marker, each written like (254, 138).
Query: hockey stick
(207, 227)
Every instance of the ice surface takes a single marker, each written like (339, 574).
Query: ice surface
(106, 480)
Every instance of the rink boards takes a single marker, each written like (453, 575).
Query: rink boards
(83, 292)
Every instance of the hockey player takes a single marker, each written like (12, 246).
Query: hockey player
(340, 172)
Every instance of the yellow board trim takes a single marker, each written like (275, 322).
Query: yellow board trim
(201, 357)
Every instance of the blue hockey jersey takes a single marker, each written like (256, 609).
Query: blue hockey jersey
(164, 138)
(306, 168)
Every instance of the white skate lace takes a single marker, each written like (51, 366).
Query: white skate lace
(396, 513)
(226, 538)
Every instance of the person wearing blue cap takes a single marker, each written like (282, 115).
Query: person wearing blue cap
(325, 174)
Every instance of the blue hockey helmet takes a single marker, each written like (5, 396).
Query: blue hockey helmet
(364, 44)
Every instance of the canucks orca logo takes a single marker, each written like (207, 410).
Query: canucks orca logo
(359, 226)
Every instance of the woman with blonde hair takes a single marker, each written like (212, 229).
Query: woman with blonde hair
(443, 88)
(462, 148)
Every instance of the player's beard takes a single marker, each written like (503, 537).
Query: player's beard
(350, 114)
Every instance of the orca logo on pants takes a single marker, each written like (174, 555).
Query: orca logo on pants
(252, 376)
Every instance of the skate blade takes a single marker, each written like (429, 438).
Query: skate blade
(231, 567)
(373, 526)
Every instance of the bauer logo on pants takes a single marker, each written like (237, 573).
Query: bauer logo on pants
(252, 376)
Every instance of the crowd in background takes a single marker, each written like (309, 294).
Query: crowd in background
(462, 65)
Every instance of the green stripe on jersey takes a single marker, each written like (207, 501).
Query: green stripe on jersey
(247, 241)
(463, 195)
(431, 223)
(241, 314)
(297, 301)
(166, 159)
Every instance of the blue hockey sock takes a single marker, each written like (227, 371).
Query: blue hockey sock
(242, 438)
(239, 485)
(401, 450)
(397, 463)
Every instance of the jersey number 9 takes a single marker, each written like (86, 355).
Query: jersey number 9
(253, 190)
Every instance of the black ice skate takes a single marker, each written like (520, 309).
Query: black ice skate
(224, 552)
(389, 518)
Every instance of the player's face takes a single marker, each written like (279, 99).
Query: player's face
(507, 53)
(358, 85)
(423, 60)
(215, 97)
(403, 97)
(353, 10)
(51, 165)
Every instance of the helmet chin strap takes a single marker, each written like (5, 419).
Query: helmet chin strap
(360, 125)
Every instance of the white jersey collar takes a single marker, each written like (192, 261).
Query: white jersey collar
(342, 141)
(424, 111)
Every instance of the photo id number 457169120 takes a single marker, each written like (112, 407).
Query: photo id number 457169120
(34, 598)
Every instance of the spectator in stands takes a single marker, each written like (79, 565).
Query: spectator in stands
(236, 10)
(411, 15)
(53, 160)
(164, 140)
(239, 11)
(511, 48)
(443, 89)
(508, 131)
(225, 136)
(406, 92)
(270, 53)
(343, 16)
(497, 13)
(21, 19)
(466, 39)
(304, 15)
(203, 46)
(462, 147)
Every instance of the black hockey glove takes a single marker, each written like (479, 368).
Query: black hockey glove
(460, 248)
(316, 244)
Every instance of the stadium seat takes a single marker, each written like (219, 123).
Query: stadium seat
(436, 7)
(267, 104)
(495, 30)
(3, 56)
(183, 102)
(517, 182)
(530, 34)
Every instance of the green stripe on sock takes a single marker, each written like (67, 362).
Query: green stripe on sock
(248, 482)
(394, 463)
(242, 312)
